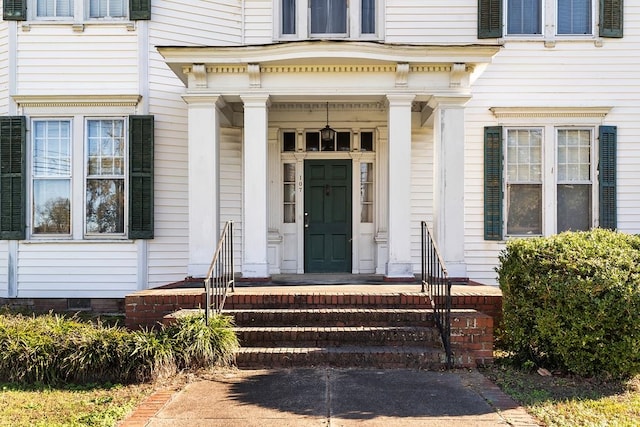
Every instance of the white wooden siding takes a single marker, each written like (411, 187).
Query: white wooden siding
(421, 187)
(76, 270)
(4, 67)
(4, 268)
(231, 186)
(258, 21)
(196, 23)
(424, 22)
(52, 59)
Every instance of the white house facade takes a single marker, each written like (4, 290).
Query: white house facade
(132, 130)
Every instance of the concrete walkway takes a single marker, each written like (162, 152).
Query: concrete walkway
(333, 397)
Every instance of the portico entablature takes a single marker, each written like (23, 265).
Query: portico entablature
(292, 71)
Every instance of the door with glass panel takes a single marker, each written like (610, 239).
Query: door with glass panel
(327, 216)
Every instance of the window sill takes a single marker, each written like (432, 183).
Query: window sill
(69, 240)
(551, 42)
(79, 27)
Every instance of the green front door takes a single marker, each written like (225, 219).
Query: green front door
(327, 212)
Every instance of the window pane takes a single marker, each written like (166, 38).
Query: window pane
(574, 155)
(328, 16)
(574, 17)
(366, 141)
(289, 141)
(51, 8)
(288, 16)
(344, 141)
(312, 141)
(105, 147)
(51, 206)
(524, 17)
(524, 155)
(368, 18)
(574, 207)
(105, 206)
(289, 174)
(366, 192)
(524, 209)
(107, 8)
(51, 148)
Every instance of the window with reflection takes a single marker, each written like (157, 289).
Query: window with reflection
(105, 177)
(289, 184)
(51, 173)
(366, 192)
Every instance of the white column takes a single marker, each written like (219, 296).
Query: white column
(399, 264)
(448, 182)
(204, 180)
(254, 224)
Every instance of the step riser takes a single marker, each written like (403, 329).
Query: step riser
(310, 301)
(432, 361)
(304, 318)
(301, 338)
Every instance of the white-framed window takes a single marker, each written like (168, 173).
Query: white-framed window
(105, 177)
(529, 17)
(54, 8)
(549, 184)
(366, 192)
(81, 11)
(79, 177)
(107, 9)
(51, 177)
(299, 19)
(289, 189)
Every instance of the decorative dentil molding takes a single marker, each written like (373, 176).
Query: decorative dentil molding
(549, 112)
(31, 101)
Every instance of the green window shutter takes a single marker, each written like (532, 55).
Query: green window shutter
(489, 19)
(12, 177)
(611, 18)
(14, 10)
(141, 177)
(607, 177)
(493, 183)
(139, 10)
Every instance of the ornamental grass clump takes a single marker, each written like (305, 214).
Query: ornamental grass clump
(53, 349)
(572, 302)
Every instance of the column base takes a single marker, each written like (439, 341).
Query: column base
(398, 271)
(255, 271)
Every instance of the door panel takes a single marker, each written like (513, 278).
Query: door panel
(327, 237)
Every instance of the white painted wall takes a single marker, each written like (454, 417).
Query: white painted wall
(76, 269)
(4, 67)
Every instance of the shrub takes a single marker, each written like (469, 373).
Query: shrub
(572, 301)
(53, 349)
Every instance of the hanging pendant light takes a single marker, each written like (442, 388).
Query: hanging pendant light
(326, 133)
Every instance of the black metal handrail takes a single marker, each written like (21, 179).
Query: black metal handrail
(221, 273)
(436, 281)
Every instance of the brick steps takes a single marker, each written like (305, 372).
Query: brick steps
(342, 329)
(333, 316)
(337, 336)
(344, 356)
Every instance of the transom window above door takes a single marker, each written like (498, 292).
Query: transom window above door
(327, 18)
(341, 141)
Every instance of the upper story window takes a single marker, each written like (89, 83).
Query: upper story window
(107, 9)
(550, 18)
(78, 11)
(54, 8)
(327, 18)
(573, 17)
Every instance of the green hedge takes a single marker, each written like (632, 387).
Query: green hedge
(53, 349)
(572, 301)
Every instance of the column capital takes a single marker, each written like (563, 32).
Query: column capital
(204, 99)
(400, 98)
(444, 101)
(255, 99)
